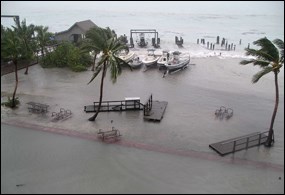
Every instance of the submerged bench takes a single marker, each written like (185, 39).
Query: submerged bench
(114, 133)
(62, 114)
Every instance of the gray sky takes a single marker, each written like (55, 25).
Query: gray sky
(195, 7)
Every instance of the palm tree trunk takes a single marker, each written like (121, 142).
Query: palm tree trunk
(270, 139)
(101, 94)
(16, 86)
(93, 67)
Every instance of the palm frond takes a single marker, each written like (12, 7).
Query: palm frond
(280, 45)
(267, 47)
(261, 73)
(255, 62)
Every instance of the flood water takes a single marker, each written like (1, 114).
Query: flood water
(40, 162)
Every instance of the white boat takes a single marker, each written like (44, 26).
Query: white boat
(136, 62)
(163, 59)
(150, 59)
(177, 62)
(142, 42)
(126, 56)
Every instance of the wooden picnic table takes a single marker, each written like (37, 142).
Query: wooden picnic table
(37, 107)
(114, 133)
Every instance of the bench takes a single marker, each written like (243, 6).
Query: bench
(37, 107)
(114, 133)
(62, 114)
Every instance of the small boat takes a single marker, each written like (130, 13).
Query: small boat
(142, 42)
(126, 56)
(177, 62)
(136, 62)
(163, 59)
(150, 59)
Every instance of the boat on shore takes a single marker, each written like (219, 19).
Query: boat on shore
(177, 61)
(136, 62)
(163, 59)
(126, 56)
(150, 59)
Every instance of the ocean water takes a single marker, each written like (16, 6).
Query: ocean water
(176, 21)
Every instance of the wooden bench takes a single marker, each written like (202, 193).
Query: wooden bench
(114, 133)
(37, 107)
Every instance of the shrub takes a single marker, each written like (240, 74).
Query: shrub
(9, 103)
(67, 55)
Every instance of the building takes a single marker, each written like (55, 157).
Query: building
(76, 32)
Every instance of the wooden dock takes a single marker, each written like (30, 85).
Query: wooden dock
(239, 143)
(157, 111)
(121, 105)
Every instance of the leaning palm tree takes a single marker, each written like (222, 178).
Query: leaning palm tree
(105, 40)
(26, 33)
(11, 49)
(270, 58)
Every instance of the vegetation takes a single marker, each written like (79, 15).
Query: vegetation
(26, 34)
(12, 49)
(105, 41)
(270, 58)
(9, 103)
(67, 55)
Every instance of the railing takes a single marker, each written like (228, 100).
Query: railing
(248, 142)
(147, 106)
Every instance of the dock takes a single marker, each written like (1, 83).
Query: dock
(239, 143)
(153, 110)
(121, 105)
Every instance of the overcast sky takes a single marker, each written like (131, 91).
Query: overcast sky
(195, 7)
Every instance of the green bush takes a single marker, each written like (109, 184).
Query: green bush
(9, 103)
(67, 55)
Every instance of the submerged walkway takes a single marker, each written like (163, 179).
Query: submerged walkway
(239, 143)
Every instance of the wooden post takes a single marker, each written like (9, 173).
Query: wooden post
(231, 46)
(240, 41)
(248, 46)
(218, 40)
(234, 47)
(234, 149)
(197, 41)
(247, 139)
(208, 45)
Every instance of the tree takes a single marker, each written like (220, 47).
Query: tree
(11, 48)
(105, 41)
(270, 57)
(26, 33)
(87, 45)
(43, 38)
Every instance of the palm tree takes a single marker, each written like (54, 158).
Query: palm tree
(43, 37)
(11, 48)
(105, 40)
(270, 58)
(26, 33)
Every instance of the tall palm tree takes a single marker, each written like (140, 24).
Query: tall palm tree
(270, 58)
(105, 40)
(11, 48)
(26, 33)
(43, 37)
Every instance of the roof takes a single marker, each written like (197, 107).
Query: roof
(83, 25)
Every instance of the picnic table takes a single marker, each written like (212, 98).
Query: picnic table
(114, 133)
(37, 107)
